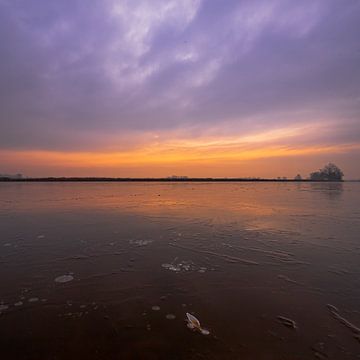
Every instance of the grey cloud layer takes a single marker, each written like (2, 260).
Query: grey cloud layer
(74, 72)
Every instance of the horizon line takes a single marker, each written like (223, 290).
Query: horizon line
(162, 179)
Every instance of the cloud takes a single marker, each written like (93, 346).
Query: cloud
(110, 75)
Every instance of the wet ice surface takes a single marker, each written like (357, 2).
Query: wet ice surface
(103, 270)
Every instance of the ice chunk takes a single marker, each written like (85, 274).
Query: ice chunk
(194, 324)
(193, 321)
(287, 322)
(181, 266)
(171, 267)
(140, 242)
(64, 278)
(205, 332)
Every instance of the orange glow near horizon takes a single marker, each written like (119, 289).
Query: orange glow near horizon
(266, 154)
(214, 152)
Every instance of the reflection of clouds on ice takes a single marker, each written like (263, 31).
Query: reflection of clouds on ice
(186, 259)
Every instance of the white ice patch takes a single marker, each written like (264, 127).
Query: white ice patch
(64, 278)
(183, 266)
(171, 267)
(140, 242)
(205, 332)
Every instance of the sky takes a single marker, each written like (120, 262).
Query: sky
(138, 88)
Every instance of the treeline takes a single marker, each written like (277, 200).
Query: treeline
(106, 179)
(329, 172)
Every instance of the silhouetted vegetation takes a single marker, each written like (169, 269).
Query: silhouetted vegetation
(329, 172)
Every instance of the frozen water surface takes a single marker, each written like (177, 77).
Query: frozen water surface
(271, 270)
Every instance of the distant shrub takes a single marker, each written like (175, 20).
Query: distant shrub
(329, 172)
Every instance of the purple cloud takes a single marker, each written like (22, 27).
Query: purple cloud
(77, 75)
